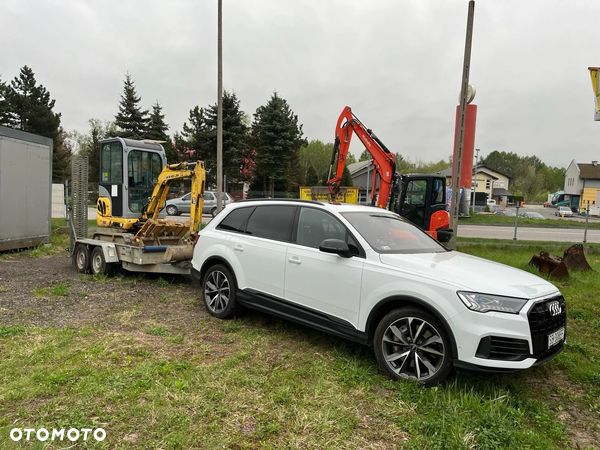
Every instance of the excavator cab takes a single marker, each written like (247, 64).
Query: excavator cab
(129, 170)
(422, 201)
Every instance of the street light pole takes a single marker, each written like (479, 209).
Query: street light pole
(220, 106)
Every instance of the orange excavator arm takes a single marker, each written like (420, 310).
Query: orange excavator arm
(383, 159)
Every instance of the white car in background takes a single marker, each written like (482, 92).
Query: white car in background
(368, 275)
(563, 211)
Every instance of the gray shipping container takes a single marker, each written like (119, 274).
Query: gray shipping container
(25, 189)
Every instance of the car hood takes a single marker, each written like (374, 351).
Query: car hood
(470, 273)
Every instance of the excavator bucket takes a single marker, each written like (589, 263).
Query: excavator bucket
(574, 258)
(550, 265)
(161, 231)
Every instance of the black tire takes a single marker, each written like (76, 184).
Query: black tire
(172, 210)
(213, 212)
(219, 292)
(98, 264)
(410, 343)
(81, 258)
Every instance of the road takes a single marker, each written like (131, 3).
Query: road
(528, 234)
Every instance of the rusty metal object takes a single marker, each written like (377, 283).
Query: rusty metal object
(557, 267)
(574, 258)
(550, 265)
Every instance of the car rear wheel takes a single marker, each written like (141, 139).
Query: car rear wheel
(410, 343)
(172, 210)
(213, 212)
(218, 292)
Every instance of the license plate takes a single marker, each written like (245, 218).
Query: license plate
(556, 337)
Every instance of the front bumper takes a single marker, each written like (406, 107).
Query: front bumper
(505, 342)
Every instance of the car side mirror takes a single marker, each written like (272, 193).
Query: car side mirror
(444, 235)
(336, 246)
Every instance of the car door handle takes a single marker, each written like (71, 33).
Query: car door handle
(239, 248)
(294, 260)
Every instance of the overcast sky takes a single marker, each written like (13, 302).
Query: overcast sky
(397, 63)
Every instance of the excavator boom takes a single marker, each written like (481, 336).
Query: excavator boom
(384, 160)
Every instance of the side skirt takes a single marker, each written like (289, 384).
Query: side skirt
(300, 314)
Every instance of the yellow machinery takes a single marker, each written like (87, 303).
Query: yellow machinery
(321, 193)
(134, 185)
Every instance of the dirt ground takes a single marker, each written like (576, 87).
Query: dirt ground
(26, 295)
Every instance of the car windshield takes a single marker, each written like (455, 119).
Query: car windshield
(387, 233)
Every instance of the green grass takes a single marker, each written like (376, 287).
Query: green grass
(258, 382)
(492, 219)
(57, 290)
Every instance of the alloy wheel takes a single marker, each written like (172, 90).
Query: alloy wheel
(217, 291)
(413, 348)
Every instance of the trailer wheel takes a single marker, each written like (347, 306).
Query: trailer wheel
(81, 258)
(98, 264)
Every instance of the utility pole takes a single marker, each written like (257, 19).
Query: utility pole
(220, 107)
(464, 94)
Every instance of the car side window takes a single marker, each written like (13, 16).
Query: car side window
(314, 226)
(186, 197)
(208, 196)
(236, 220)
(272, 222)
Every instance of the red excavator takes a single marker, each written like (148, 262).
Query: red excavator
(420, 198)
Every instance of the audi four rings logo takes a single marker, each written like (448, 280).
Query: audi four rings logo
(554, 308)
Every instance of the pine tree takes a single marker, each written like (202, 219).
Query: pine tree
(32, 106)
(7, 117)
(346, 177)
(277, 136)
(195, 138)
(200, 134)
(157, 131)
(131, 119)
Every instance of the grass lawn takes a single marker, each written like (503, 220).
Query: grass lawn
(492, 219)
(139, 357)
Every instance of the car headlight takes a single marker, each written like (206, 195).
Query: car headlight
(487, 302)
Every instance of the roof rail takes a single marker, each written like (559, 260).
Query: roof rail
(291, 200)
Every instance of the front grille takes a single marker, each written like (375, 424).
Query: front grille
(542, 323)
(501, 348)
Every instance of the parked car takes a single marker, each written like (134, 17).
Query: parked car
(179, 205)
(506, 212)
(370, 276)
(531, 215)
(490, 202)
(563, 211)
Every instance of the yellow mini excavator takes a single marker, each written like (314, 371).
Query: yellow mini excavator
(134, 183)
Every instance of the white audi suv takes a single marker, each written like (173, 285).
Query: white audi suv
(368, 275)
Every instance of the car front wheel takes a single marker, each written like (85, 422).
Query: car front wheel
(410, 343)
(218, 292)
(172, 210)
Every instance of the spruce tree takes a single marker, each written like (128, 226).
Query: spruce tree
(31, 105)
(131, 119)
(200, 134)
(7, 117)
(157, 131)
(277, 137)
(195, 136)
